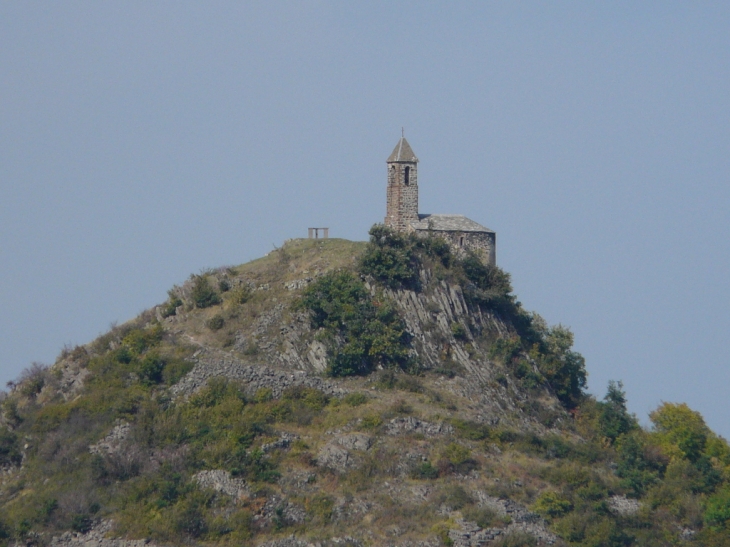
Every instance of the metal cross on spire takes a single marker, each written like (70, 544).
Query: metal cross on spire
(402, 132)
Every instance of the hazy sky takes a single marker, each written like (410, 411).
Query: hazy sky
(144, 141)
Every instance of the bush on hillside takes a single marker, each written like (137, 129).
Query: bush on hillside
(362, 333)
(203, 294)
(9, 448)
(614, 419)
(32, 379)
(173, 302)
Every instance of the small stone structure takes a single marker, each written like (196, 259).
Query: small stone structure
(314, 233)
(402, 210)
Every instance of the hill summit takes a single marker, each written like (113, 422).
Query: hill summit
(393, 392)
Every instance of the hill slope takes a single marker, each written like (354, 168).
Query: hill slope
(334, 392)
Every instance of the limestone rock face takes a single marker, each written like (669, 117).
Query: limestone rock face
(335, 457)
(113, 441)
(409, 424)
(221, 481)
(96, 537)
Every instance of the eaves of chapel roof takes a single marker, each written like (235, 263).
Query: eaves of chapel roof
(448, 223)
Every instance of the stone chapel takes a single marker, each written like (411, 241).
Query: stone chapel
(402, 210)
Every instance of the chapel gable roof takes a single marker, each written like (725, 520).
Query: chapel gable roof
(448, 223)
(402, 152)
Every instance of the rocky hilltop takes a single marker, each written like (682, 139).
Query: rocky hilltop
(342, 393)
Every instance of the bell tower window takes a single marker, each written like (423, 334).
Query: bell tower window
(406, 178)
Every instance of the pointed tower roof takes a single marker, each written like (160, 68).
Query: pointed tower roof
(402, 152)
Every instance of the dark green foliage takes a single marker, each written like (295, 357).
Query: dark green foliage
(355, 398)
(173, 302)
(488, 286)
(563, 369)
(717, 509)
(139, 340)
(33, 379)
(253, 466)
(458, 331)
(639, 465)
(506, 350)
(552, 505)
(151, 369)
(5, 532)
(471, 430)
(363, 333)
(46, 510)
(81, 523)
(390, 258)
(203, 294)
(9, 448)
(455, 497)
(394, 258)
(425, 470)
(310, 397)
(216, 322)
(614, 419)
(483, 516)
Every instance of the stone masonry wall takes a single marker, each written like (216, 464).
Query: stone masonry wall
(402, 200)
(482, 243)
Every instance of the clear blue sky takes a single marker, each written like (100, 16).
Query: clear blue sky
(144, 141)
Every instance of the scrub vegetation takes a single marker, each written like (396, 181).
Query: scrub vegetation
(103, 435)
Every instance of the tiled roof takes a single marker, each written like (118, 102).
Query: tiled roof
(402, 152)
(448, 223)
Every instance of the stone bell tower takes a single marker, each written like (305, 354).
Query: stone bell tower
(402, 187)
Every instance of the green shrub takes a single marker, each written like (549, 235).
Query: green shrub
(138, 340)
(371, 422)
(172, 304)
(81, 523)
(263, 394)
(471, 430)
(717, 509)
(488, 286)
(309, 396)
(5, 532)
(46, 510)
(552, 505)
(355, 398)
(202, 293)
(216, 322)
(241, 294)
(390, 258)
(151, 369)
(321, 508)
(188, 517)
(32, 379)
(175, 369)
(441, 530)
(372, 332)
(458, 331)
(425, 470)
(614, 419)
(454, 496)
(456, 453)
(9, 448)
(483, 516)
(505, 350)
